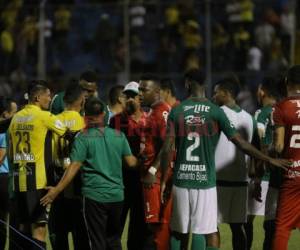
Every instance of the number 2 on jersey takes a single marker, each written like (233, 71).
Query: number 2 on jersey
(193, 136)
(25, 136)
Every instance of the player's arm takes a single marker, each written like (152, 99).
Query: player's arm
(131, 161)
(128, 157)
(279, 135)
(247, 148)
(68, 176)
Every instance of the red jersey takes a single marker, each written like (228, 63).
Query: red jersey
(131, 128)
(155, 131)
(287, 113)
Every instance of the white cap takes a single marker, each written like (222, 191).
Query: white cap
(132, 86)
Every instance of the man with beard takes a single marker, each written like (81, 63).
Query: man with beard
(131, 122)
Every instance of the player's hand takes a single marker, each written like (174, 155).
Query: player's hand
(281, 163)
(50, 196)
(162, 192)
(149, 180)
(256, 192)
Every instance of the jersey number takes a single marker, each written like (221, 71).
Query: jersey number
(294, 138)
(193, 136)
(25, 136)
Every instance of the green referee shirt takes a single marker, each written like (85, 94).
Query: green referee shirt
(101, 153)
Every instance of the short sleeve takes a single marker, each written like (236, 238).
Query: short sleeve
(225, 125)
(3, 140)
(126, 151)
(171, 123)
(53, 123)
(278, 116)
(79, 150)
(161, 123)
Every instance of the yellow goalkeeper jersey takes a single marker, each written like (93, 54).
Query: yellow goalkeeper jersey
(30, 146)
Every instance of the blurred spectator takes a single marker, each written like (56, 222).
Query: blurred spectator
(192, 39)
(241, 40)
(254, 58)
(271, 17)
(7, 50)
(192, 62)
(27, 42)
(137, 14)
(240, 11)
(105, 39)
(9, 15)
(62, 22)
(278, 62)
(287, 28)
(220, 40)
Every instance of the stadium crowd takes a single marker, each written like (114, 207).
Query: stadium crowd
(74, 164)
(165, 37)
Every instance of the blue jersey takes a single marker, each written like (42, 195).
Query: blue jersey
(4, 166)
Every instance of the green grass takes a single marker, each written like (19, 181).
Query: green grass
(294, 243)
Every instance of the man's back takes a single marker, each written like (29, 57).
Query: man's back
(197, 128)
(30, 141)
(101, 151)
(230, 161)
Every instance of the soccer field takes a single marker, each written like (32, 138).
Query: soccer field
(294, 243)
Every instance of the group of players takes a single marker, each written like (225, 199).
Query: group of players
(178, 168)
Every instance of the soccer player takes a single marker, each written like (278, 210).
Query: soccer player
(286, 141)
(167, 92)
(7, 109)
(98, 151)
(132, 122)
(65, 213)
(231, 164)
(88, 81)
(116, 100)
(195, 125)
(262, 193)
(29, 134)
(157, 216)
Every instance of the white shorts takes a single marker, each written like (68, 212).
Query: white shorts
(271, 203)
(194, 210)
(255, 207)
(232, 204)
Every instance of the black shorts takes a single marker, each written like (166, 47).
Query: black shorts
(29, 210)
(4, 196)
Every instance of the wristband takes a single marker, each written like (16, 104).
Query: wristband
(152, 170)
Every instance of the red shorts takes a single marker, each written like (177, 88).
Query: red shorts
(288, 211)
(155, 211)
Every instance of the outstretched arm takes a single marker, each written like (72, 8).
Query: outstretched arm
(65, 180)
(247, 148)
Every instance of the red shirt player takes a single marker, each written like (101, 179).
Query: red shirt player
(286, 118)
(156, 215)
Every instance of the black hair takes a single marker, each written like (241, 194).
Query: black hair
(168, 84)
(271, 86)
(73, 92)
(89, 76)
(5, 104)
(195, 76)
(150, 77)
(227, 84)
(93, 106)
(35, 87)
(114, 94)
(293, 75)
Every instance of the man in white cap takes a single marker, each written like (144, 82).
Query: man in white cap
(131, 122)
